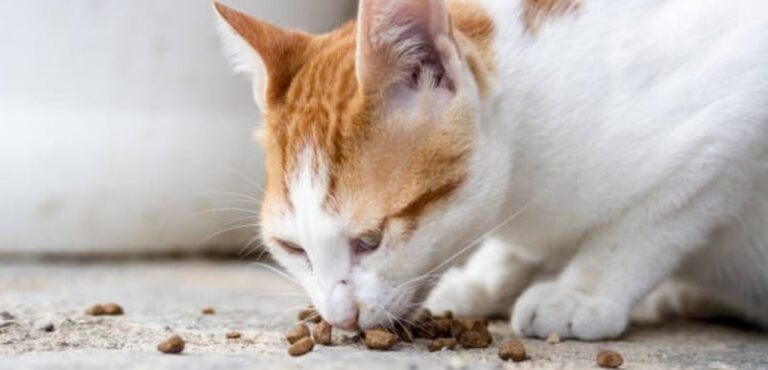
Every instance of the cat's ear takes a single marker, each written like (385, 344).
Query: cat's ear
(406, 44)
(271, 56)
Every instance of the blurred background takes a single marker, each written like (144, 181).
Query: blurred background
(124, 131)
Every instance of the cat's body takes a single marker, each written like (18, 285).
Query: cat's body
(601, 147)
(640, 134)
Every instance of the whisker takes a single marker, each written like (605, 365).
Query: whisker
(245, 177)
(226, 209)
(275, 270)
(242, 253)
(476, 241)
(229, 193)
(220, 193)
(237, 227)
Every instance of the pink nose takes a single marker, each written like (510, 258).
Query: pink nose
(348, 323)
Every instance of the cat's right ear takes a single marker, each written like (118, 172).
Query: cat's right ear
(269, 55)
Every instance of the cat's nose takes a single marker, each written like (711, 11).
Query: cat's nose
(348, 322)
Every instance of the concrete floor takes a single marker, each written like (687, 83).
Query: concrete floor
(166, 297)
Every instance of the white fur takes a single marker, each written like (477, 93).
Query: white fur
(244, 59)
(631, 143)
(641, 127)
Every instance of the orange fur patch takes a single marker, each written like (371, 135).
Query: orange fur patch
(378, 169)
(537, 12)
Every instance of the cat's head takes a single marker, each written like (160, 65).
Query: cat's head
(371, 135)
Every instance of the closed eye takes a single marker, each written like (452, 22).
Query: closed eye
(290, 247)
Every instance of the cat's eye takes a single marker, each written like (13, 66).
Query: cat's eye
(367, 242)
(290, 247)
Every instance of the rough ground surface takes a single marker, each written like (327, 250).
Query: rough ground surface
(163, 298)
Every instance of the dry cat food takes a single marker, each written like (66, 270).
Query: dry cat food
(208, 311)
(174, 344)
(233, 335)
(297, 333)
(309, 314)
(380, 339)
(322, 333)
(445, 332)
(475, 339)
(301, 347)
(609, 359)
(512, 350)
(104, 309)
(440, 344)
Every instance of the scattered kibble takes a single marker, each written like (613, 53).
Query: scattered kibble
(309, 314)
(442, 343)
(301, 347)
(609, 359)
(475, 339)
(512, 350)
(233, 335)
(104, 309)
(297, 333)
(95, 310)
(208, 311)
(380, 339)
(322, 333)
(173, 344)
(553, 338)
(112, 309)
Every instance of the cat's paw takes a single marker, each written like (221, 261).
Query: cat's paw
(460, 294)
(549, 307)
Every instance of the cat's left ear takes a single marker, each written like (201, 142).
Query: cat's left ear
(406, 47)
(270, 55)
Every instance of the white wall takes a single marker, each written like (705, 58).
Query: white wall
(113, 113)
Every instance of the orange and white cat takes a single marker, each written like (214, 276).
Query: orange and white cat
(596, 148)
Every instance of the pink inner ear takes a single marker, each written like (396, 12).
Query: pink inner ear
(397, 42)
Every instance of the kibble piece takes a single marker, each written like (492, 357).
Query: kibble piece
(95, 310)
(441, 328)
(457, 327)
(380, 339)
(301, 347)
(298, 332)
(512, 350)
(442, 343)
(233, 335)
(322, 333)
(112, 309)
(310, 314)
(609, 359)
(475, 339)
(208, 311)
(448, 315)
(476, 324)
(174, 344)
(553, 338)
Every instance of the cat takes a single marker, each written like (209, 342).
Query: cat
(581, 152)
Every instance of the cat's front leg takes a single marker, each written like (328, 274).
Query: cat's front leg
(487, 285)
(613, 269)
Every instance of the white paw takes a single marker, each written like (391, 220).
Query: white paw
(463, 296)
(548, 307)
